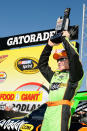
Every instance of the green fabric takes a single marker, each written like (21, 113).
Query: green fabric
(52, 118)
(59, 77)
(52, 122)
(76, 98)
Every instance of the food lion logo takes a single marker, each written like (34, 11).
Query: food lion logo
(26, 127)
(3, 57)
(27, 65)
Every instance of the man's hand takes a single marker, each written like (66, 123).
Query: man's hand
(50, 43)
(66, 34)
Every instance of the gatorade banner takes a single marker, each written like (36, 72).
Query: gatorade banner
(23, 40)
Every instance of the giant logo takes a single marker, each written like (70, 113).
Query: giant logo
(27, 65)
(24, 106)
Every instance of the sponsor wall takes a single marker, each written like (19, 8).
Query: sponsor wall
(22, 86)
(19, 67)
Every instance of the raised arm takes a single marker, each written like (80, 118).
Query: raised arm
(43, 63)
(76, 70)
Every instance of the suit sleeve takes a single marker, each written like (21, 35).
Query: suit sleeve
(76, 70)
(43, 63)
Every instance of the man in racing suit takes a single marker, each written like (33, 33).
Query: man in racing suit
(63, 84)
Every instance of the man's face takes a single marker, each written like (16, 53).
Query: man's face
(63, 64)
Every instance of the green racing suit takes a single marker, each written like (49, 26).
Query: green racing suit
(63, 86)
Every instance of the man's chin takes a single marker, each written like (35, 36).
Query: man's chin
(61, 68)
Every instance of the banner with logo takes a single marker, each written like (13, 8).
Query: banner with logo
(19, 56)
(22, 86)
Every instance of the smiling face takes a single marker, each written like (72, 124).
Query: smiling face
(63, 64)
